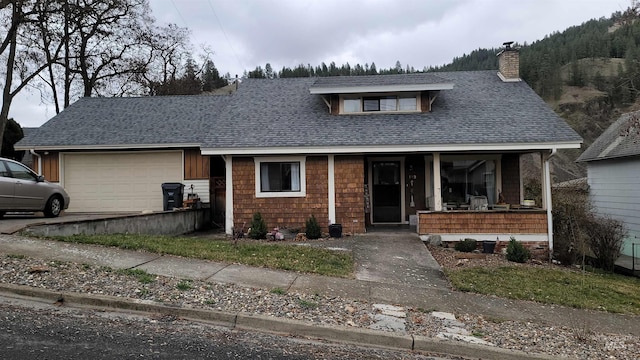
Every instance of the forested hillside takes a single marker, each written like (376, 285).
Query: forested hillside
(589, 74)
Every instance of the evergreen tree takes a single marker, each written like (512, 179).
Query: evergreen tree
(257, 73)
(12, 134)
(268, 72)
(211, 78)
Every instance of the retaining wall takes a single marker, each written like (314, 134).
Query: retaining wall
(161, 223)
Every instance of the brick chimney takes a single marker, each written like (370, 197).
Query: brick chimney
(509, 63)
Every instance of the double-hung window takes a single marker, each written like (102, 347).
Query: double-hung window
(280, 177)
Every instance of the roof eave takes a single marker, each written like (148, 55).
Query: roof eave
(378, 88)
(616, 157)
(389, 148)
(105, 147)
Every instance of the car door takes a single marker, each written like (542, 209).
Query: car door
(6, 187)
(28, 192)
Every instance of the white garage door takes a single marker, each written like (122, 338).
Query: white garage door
(108, 182)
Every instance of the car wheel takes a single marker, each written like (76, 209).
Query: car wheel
(54, 206)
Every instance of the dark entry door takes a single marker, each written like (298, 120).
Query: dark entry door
(386, 195)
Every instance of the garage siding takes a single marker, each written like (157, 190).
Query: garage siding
(118, 182)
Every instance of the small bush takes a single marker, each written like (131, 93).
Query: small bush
(312, 228)
(605, 240)
(571, 209)
(184, 285)
(258, 227)
(466, 245)
(278, 291)
(307, 304)
(517, 252)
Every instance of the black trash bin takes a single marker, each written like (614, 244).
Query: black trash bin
(335, 230)
(172, 195)
(488, 246)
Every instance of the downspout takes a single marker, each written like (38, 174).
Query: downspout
(547, 181)
(34, 153)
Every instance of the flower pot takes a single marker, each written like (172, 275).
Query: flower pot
(488, 246)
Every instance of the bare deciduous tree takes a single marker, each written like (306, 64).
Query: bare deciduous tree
(22, 58)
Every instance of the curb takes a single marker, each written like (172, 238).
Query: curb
(269, 324)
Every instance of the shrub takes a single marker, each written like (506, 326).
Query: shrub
(605, 240)
(258, 227)
(466, 245)
(312, 228)
(571, 210)
(517, 252)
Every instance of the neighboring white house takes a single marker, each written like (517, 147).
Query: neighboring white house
(613, 171)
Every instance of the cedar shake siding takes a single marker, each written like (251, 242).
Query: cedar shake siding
(349, 184)
(498, 222)
(285, 212)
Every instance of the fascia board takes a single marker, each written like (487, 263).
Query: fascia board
(106, 147)
(389, 149)
(378, 88)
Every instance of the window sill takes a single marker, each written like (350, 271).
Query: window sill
(287, 194)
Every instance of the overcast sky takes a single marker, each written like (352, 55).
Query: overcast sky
(246, 33)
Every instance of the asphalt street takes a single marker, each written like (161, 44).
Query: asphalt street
(36, 330)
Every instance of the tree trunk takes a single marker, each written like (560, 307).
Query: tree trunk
(7, 97)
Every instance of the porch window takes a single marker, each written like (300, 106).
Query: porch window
(464, 178)
(280, 177)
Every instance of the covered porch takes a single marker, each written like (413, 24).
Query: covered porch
(458, 195)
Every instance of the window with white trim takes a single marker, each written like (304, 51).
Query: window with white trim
(280, 177)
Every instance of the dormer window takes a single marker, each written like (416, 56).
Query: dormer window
(386, 103)
(372, 94)
(351, 105)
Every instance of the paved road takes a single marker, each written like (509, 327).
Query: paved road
(33, 330)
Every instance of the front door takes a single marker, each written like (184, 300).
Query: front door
(387, 192)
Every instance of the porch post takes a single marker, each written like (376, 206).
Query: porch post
(543, 180)
(332, 189)
(547, 198)
(437, 183)
(228, 174)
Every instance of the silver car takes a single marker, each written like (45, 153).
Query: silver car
(23, 190)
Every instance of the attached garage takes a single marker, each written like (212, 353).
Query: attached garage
(113, 182)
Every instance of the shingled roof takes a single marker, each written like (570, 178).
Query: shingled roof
(135, 121)
(283, 114)
(480, 109)
(621, 139)
(395, 82)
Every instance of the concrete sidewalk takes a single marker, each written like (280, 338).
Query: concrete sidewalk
(429, 295)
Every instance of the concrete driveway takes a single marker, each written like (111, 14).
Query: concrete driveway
(14, 222)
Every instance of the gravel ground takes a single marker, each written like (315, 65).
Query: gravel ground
(315, 308)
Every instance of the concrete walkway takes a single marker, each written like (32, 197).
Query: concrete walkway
(412, 279)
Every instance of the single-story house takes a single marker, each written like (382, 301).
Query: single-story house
(438, 150)
(613, 170)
